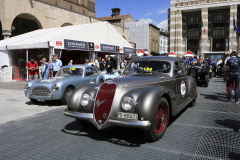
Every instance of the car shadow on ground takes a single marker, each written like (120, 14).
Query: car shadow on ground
(232, 124)
(215, 96)
(47, 103)
(130, 137)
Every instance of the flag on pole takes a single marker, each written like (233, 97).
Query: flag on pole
(235, 27)
(204, 30)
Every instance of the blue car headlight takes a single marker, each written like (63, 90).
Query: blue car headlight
(55, 88)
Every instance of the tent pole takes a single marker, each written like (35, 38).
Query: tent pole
(27, 62)
(118, 61)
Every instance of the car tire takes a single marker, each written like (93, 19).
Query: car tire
(192, 104)
(66, 95)
(160, 120)
(206, 80)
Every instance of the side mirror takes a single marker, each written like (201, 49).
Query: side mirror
(119, 72)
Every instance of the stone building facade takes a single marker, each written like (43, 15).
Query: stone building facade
(203, 26)
(21, 16)
(116, 18)
(163, 43)
(144, 35)
(154, 34)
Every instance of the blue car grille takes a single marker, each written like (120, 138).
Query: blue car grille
(40, 91)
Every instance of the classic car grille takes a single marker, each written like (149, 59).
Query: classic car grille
(40, 91)
(103, 102)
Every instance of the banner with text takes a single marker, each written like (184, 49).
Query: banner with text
(76, 45)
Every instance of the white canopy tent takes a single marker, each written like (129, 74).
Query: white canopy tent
(96, 37)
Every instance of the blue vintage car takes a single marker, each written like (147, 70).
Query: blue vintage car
(60, 87)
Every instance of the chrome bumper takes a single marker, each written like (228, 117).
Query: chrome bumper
(122, 123)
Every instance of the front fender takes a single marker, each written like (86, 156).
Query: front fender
(147, 101)
(74, 100)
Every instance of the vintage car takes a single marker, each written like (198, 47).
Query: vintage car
(112, 76)
(148, 93)
(60, 87)
(199, 74)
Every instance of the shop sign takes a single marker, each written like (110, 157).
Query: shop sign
(79, 45)
(108, 48)
(128, 50)
(117, 49)
(91, 46)
(97, 46)
(58, 43)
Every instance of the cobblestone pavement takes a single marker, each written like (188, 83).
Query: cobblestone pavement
(210, 130)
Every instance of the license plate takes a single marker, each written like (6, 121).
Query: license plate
(41, 100)
(127, 115)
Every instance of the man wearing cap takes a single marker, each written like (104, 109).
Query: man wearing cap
(57, 63)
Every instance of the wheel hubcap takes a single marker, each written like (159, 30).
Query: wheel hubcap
(161, 118)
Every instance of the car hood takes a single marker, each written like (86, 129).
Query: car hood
(140, 79)
(53, 80)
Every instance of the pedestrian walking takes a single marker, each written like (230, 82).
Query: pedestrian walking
(57, 63)
(32, 67)
(45, 69)
(233, 67)
(109, 66)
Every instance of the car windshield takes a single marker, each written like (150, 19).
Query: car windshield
(148, 66)
(69, 72)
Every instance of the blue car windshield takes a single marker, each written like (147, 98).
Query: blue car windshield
(69, 72)
(148, 66)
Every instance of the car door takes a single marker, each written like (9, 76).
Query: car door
(90, 75)
(180, 83)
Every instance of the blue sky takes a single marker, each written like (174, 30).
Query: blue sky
(154, 11)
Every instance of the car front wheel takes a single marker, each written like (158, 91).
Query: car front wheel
(160, 120)
(67, 95)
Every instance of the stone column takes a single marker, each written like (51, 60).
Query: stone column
(6, 33)
(232, 34)
(204, 45)
(176, 39)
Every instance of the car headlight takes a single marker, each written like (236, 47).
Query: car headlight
(127, 103)
(85, 99)
(26, 86)
(55, 88)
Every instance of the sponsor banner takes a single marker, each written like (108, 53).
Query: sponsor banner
(91, 46)
(108, 48)
(78, 45)
(128, 50)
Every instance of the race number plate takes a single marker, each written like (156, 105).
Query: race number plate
(127, 115)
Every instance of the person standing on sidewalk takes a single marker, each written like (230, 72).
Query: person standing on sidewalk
(57, 63)
(32, 67)
(233, 67)
(45, 69)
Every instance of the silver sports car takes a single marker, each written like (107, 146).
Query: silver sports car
(61, 87)
(150, 90)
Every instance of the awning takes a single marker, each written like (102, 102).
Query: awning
(101, 36)
(172, 55)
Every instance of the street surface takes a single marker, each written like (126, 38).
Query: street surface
(210, 130)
